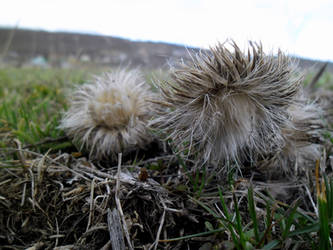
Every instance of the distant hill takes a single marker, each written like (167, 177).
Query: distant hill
(57, 48)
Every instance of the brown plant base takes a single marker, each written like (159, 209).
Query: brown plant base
(59, 200)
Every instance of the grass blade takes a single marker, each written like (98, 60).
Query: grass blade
(290, 220)
(253, 213)
(271, 245)
(239, 226)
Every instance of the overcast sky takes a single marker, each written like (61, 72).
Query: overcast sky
(299, 27)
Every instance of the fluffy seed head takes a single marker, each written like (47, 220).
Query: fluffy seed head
(227, 103)
(109, 115)
(303, 139)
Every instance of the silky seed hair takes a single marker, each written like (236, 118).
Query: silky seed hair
(303, 140)
(225, 103)
(110, 114)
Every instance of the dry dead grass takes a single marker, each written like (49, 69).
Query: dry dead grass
(58, 200)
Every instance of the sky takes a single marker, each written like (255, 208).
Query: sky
(303, 28)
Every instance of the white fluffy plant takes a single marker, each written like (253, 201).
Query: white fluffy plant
(227, 104)
(109, 115)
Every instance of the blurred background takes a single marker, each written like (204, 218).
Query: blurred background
(150, 33)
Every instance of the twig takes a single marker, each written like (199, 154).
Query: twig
(155, 244)
(91, 230)
(107, 246)
(23, 194)
(90, 175)
(165, 157)
(119, 204)
(20, 153)
(180, 211)
(92, 188)
(150, 184)
(32, 189)
(40, 165)
(311, 200)
(57, 226)
(37, 246)
(116, 233)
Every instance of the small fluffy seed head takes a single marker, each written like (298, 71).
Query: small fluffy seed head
(303, 140)
(226, 103)
(109, 115)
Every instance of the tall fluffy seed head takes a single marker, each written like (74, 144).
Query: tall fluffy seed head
(225, 103)
(110, 114)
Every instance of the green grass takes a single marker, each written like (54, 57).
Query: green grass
(31, 103)
(283, 226)
(325, 81)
